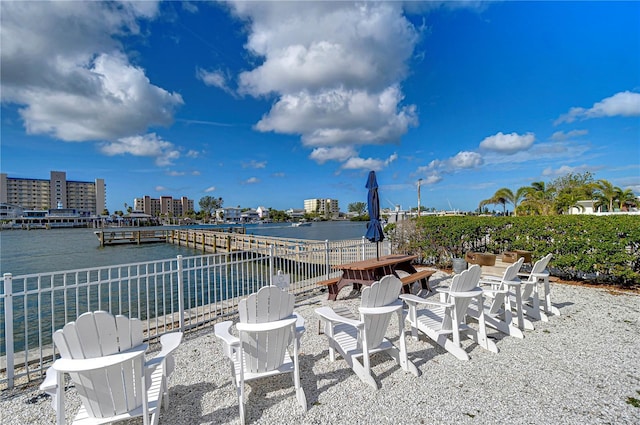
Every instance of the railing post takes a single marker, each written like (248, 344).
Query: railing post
(363, 248)
(271, 271)
(180, 295)
(326, 256)
(8, 326)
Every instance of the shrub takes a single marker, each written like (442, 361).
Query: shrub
(598, 249)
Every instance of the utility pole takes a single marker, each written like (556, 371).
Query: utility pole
(419, 182)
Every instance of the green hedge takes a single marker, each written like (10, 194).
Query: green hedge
(599, 249)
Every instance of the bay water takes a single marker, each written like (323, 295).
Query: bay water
(26, 252)
(43, 251)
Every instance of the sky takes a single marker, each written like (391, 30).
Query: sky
(270, 103)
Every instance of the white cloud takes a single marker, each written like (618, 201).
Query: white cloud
(252, 180)
(625, 104)
(217, 78)
(341, 117)
(89, 91)
(175, 173)
(254, 164)
(462, 160)
(432, 178)
(368, 163)
(508, 143)
(161, 189)
(465, 160)
(341, 154)
(149, 145)
(192, 154)
(189, 6)
(561, 135)
(210, 189)
(357, 163)
(564, 170)
(335, 68)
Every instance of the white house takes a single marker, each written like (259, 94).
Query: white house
(262, 212)
(583, 207)
(229, 214)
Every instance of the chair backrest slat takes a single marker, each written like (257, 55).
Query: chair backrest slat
(379, 294)
(111, 390)
(264, 351)
(462, 282)
(511, 273)
(540, 265)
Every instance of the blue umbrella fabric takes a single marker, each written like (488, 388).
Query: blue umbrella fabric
(374, 227)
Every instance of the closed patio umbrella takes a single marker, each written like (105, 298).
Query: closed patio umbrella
(374, 228)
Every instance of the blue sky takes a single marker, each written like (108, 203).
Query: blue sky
(271, 103)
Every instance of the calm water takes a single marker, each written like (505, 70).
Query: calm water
(40, 251)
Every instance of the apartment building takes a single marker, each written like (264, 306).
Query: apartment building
(323, 207)
(56, 192)
(163, 206)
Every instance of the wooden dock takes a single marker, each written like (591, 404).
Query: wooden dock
(215, 241)
(115, 237)
(234, 240)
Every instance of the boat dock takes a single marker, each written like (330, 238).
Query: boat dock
(215, 241)
(115, 237)
(227, 241)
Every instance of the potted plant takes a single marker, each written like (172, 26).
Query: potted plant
(455, 250)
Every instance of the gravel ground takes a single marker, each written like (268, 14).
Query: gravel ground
(582, 367)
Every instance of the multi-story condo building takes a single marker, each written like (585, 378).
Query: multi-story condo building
(323, 207)
(165, 205)
(57, 192)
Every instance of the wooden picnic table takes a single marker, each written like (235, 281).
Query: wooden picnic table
(368, 271)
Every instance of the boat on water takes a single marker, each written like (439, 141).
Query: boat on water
(301, 224)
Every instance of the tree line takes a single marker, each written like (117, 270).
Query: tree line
(562, 194)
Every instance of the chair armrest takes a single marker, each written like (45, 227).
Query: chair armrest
(221, 330)
(266, 326)
(84, 365)
(466, 294)
(513, 282)
(492, 293)
(414, 299)
(390, 308)
(169, 343)
(490, 280)
(299, 323)
(330, 315)
(50, 382)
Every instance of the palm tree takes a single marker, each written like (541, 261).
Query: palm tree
(538, 199)
(494, 200)
(628, 199)
(606, 194)
(502, 196)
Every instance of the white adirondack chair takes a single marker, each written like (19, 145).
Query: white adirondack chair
(497, 305)
(268, 327)
(445, 320)
(357, 338)
(105, 358)
(530, 293)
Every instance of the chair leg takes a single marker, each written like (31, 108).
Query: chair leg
(451, 347)
(241, 403)
(548, 307)
(364, 374)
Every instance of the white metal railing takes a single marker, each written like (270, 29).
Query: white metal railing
(177, 293)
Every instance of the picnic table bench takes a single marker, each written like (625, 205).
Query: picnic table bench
(368, 271)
